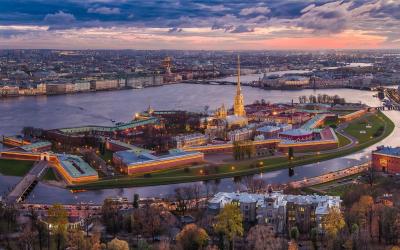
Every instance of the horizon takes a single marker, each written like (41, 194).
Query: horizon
(200, 25)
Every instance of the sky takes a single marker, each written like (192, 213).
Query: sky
(200, 24)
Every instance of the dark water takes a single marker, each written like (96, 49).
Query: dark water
(100, 108)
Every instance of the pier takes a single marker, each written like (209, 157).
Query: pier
(28, 182)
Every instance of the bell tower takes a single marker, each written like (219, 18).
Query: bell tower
(238, 107)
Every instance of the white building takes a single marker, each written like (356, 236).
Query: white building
(82, 86)
(190, 140)
(240, 134)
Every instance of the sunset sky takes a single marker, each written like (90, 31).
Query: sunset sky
(197, 24)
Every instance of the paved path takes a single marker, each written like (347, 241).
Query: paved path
(26, 183)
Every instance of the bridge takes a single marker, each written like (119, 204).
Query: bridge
(330, 176)
(389, 107)
(28, 182)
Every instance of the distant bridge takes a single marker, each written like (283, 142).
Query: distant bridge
(389, 107)
(26, 185)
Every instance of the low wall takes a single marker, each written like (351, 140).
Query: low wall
(314, 146)
(164, 164)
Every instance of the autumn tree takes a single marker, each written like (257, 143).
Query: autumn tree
(76, 240)
(192, 237)
(361, 211)
(117, 244)
(229, 222)
(58, 219)
(263, 237)
(333, 222)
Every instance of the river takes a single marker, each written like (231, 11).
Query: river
(102, 107)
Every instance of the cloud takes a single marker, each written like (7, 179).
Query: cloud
(328, 18)
(386, 8)
(242, 29)
(104, 10)
(175, 30)
(224, 27)
(59, 18)
(218, 7)
(309, 7)
(254, 10)
(202, 20)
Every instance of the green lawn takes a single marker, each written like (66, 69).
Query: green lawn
(15, 167)
(343, 141)
(49, 175)
(369, 124)
(240, 168)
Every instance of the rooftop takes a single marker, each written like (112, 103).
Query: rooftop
(75, 166)
(324, 202)
(388, 151)
(35, 145)
(297, 132)
(130, 157)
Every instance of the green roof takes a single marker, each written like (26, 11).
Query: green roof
(76, 166)
(123, 126)
(35, 145)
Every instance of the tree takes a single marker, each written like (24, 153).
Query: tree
(263, 237)
(58, 223)
(143, 245)
(390, 225)
(192, 237)
(253, 185)
(371, 175)
(135, 202)
(110, 216)
(291, 153)
(163, 245)
(294, 233)
(117, 244)
(40, 228)
(76, 240)
(229, 222)
(26, 239)
(153, 217)
(362, 211)
(314, 237)
(333, 222)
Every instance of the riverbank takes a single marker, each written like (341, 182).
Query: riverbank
(251, 167)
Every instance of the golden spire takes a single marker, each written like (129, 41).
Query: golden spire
(238, 108)
(238, 73)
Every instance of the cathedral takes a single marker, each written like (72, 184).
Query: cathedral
(239, 113)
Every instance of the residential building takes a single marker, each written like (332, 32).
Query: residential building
(283, 211)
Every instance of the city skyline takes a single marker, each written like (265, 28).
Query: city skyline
(200, 25)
